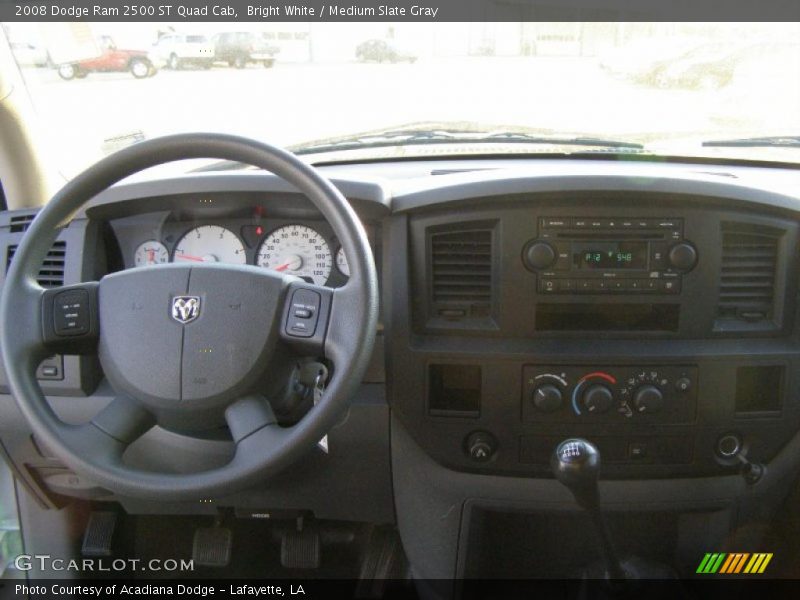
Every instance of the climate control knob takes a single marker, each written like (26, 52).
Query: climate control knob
(682, 256)
(648, 399)
(539, 255)
(597, 399)
(547, 397)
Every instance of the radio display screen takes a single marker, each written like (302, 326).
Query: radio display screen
(610, 255)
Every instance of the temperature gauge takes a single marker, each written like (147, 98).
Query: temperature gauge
(150, 253)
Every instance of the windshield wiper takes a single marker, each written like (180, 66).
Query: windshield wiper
(425, 136)
(780, 141)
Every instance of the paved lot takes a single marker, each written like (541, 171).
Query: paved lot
(297, 102)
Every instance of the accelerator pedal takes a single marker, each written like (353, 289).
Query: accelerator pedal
(383, 564)
(212, 546)
(300, 547)
(99, 534)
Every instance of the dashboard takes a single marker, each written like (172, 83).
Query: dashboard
(650, 308)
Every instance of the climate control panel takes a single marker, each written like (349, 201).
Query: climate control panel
(609, 394)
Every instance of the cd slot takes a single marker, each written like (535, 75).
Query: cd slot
(583, 235)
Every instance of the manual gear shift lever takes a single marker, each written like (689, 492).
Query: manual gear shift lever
(576, 464)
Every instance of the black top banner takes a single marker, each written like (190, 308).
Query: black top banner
(399, 10)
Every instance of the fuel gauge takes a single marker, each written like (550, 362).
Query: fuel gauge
(150, 253)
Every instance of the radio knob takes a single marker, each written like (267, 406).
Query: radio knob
(648, 399)
(682, 256)
(597, 399)
(547, 398)
(539, 255)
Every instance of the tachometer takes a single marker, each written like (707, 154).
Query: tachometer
(210, 243)
(150, 253)
(298, 250)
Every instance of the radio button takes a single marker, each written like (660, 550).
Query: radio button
(671, 286)
(585, 285)
(566, 285)
(548, 286)
(601, 285)
(635, 285)
(658, 256)
(580, 223)
(651, 285)
(617, 285)
(555, 222)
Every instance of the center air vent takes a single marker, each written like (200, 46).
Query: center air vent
(748, 274)
(20, 223)
(461, 273)
(52, 272)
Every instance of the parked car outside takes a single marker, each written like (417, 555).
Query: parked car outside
(179, 50)
(382, 51)
(30, 55)
(708, 66)
(140, 63)
(240, 48)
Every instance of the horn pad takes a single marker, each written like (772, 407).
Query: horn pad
(188, 336)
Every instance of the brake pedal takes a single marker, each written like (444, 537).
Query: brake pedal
(300, 548)
(99, 534)
(212, 546)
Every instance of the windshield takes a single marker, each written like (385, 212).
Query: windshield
(337, 91)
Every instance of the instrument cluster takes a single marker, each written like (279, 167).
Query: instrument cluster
(295, 248)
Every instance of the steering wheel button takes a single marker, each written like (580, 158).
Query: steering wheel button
(304, 313)
(71, 313)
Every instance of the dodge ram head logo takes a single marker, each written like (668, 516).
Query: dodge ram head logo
(185, 309)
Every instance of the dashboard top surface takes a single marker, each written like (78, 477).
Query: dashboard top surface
(382, 188)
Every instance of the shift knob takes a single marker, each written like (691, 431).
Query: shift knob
(576, 464)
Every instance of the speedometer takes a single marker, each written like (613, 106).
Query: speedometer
(210, 243)
(298, 250)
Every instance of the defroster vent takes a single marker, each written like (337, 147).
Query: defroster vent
(461, 272)
(748, 273)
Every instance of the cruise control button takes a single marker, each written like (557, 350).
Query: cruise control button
(71, 313)
(306, 303)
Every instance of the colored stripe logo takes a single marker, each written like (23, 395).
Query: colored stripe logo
(734, 563)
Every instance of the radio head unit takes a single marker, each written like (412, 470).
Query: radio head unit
(609, 255)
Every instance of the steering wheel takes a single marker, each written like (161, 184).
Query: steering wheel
(194, 344)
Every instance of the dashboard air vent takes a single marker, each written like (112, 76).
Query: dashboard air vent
(747, 276)
(461, 272)
(52, 272)
(20, 223)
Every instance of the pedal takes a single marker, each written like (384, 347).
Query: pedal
(383, 564)
(99, 534)
(212, 546)
(300, 549)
